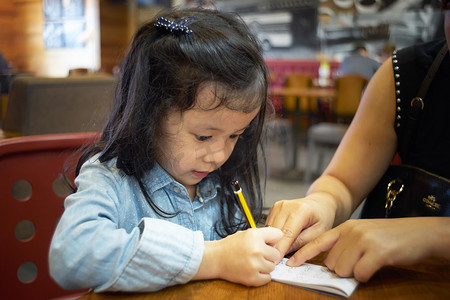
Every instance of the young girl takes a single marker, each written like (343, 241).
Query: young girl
(154, 196)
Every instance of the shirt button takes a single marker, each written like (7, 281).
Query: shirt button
(176, 189)
(200, 199)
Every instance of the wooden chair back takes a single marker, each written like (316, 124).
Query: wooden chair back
(301, 80)
(349, 91)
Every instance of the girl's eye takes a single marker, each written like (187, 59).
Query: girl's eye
(203, 138)
(234, 136)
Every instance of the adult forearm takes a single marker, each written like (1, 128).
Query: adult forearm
(332, 189)
(440, 229)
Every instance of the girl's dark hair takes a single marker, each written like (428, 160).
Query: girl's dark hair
(163, 72)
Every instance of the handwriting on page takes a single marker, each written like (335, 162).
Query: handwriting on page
(307, 272)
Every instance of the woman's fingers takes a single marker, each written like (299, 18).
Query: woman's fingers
(322, 243)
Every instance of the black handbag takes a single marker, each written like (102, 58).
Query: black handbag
(405, 190)
(408, 191)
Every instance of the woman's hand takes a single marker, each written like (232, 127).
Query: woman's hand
(361, 247)
(301, 220)
(246, 257)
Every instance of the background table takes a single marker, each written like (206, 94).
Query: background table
(425, 281)
(316, 92)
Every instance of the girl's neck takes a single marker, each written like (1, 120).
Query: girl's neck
(192, 191)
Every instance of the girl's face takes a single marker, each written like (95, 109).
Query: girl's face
(198, 141)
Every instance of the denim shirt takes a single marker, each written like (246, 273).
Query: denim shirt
(110, 239)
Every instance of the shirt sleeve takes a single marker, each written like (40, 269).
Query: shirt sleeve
(90, 250)
(181, 251)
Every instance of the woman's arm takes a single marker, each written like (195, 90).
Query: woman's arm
(360, 160)
(368, 145)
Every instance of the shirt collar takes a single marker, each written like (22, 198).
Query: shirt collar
(157, 178)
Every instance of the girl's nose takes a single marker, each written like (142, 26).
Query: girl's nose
(217, 155)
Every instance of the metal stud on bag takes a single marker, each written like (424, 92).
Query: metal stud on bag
(394, 188)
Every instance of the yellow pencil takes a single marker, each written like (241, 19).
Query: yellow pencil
(248, 214)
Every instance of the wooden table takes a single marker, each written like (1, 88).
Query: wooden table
(425, 281)
(317, 92)
(323, 93)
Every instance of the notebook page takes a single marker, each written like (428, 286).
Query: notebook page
(314, 277)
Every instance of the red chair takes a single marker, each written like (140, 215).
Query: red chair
(32, 191)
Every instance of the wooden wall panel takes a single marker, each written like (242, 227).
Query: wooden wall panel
(22, 42)
(29, 44)
(7, 29)
(21, 35)
(114, 32)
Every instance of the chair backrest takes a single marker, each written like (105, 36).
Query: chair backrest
(32, 191)
(42, 105)
(300, 80)
(349, 91)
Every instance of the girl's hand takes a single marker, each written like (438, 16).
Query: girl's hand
(246, 257)
(361, 247)
(301, 220)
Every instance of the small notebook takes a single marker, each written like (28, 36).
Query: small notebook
(314, 277)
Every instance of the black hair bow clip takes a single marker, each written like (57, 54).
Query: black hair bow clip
(178, 25)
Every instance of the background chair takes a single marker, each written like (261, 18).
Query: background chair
(307, 105)
(41, 105)
(32, 191)
(326, 135)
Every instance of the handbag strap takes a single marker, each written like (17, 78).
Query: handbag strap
(417, 103)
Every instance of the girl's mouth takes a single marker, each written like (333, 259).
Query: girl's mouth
(200, 174)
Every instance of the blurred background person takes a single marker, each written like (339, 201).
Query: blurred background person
(359, 63)
(5, 69)
(4, 65)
